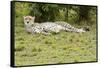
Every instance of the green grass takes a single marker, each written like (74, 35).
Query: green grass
(65, 47)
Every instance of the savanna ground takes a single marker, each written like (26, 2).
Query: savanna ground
(64, 47)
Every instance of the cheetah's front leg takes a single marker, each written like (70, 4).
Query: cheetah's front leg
(45, 33)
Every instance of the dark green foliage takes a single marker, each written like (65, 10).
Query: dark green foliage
(54, 12)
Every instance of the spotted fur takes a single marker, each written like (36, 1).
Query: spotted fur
(48, 27)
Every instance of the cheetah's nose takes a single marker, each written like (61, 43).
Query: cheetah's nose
(27, 22)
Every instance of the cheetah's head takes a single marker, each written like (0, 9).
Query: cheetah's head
(28, 20)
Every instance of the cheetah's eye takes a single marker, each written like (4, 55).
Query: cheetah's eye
(30, 19)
